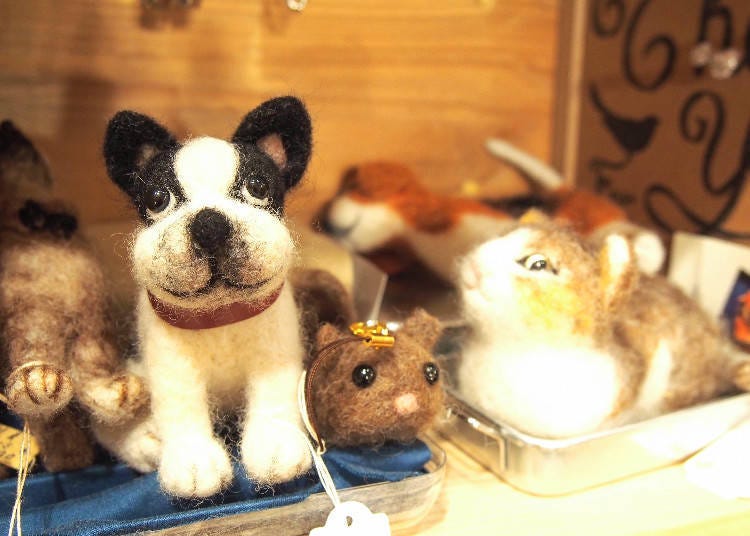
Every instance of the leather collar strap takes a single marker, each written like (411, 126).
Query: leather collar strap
(184, 318)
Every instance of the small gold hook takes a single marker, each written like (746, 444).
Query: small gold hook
(373, 333)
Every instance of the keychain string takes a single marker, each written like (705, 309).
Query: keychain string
(308, 415)
(372, 334)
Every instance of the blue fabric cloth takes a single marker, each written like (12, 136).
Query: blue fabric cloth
(108, 500)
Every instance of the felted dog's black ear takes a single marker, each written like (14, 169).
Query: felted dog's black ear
(281, 128)
(132, 139)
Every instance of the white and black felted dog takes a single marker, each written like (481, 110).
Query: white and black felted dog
(217, 324)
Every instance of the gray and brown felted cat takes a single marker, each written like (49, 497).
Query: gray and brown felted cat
(58, 352)
(567, 339)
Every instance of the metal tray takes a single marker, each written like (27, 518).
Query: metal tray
(406, 503)
(559, 466)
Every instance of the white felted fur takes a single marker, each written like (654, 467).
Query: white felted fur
(488, 278)
(649, 250)
(254, 364)
(534, 168)
(367, 227)
(206, 166)
(364, 227)
(163, 258)
(619, 260)
(655, 384)
(545, 390)
(560, 388)
(251, 366)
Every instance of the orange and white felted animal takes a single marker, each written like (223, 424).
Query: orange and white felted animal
(59, 352)
(218, 328)
(383, 212)
(566, 339)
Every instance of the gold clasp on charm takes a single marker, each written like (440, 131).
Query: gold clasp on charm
(373, 333)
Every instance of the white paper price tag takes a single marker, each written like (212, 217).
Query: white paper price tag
(353, 518)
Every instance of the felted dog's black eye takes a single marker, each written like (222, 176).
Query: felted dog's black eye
(157, 199)
(257, 187)
(431, 373)
(363, 376)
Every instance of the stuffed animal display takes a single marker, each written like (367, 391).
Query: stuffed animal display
(218, 328)
(566, 339)
(382, 211)
(365, 396)
(58, 347)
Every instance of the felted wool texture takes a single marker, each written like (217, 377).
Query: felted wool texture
(218, 239)
(321, 298)
(194, 374)
(397, 406)
(383, 211)
(380, 203)
(585, 343)
(592, 215)
(58, 344)
(287, 119)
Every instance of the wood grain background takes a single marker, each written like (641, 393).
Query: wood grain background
(422, 81)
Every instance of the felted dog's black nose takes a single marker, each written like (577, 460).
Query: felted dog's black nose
(210, 229)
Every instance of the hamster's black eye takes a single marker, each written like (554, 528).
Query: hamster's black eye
(363, 376)
(537, 263)
(157, 199)
(257, 187)
(431, 373)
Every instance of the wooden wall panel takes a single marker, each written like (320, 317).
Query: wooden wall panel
(421, 81)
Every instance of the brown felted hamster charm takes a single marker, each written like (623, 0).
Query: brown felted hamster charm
(362, 395)
(57, 345)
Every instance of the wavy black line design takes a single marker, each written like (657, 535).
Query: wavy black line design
(607, 17)
(696, 128)
(658, 42)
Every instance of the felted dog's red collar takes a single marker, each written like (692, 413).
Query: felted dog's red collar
(184, 318)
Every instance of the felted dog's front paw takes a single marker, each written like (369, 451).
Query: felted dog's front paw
(136, 441)
(274, 452)
(113, 400)
(39, 390)
(194, 467)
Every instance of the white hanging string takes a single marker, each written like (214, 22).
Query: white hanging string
(316, 448)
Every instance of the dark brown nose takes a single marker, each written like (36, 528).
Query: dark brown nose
(210, 230)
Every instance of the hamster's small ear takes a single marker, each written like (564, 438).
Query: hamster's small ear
(280, 128)
(131, 140)
(533, 215)
(422, 327)
(327, 333)
(619, 270)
